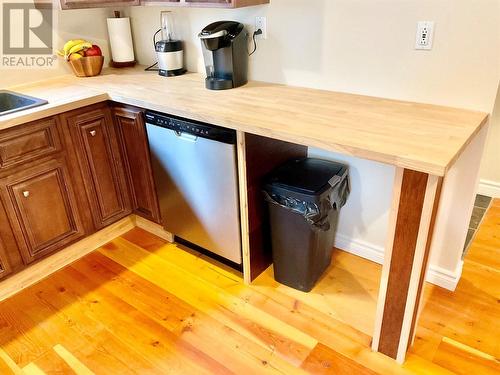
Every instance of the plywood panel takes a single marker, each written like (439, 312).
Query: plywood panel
(262, 155)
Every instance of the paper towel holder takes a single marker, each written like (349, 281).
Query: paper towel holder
(120, 64)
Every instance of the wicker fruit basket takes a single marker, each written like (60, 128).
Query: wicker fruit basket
(87, 66)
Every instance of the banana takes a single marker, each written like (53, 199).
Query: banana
(75, 56)
(77, 48)
(71, 43)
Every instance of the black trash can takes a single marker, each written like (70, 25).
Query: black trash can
(304, 197)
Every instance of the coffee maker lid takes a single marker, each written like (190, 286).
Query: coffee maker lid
(222, 28)
(168, 46)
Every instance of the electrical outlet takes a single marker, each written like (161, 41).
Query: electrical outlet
(261, 23)
(425, 35)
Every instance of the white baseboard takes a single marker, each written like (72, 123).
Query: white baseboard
(435, 274)
(360, 248)
(444, 278)
(489, 188)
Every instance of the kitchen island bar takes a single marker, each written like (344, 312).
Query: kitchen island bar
(422, 141)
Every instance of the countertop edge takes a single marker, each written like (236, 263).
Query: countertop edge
(433, 169)
(481, 126)
(38, 113)
(99, 92)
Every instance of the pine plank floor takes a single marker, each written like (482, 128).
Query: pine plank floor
(139, 305)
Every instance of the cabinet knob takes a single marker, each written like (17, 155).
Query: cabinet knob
(93, 133)
(26, 194)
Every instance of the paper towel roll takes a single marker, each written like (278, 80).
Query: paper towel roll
(120, 39)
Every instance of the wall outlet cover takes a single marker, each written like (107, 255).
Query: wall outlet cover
(261, 23)
(425, 35)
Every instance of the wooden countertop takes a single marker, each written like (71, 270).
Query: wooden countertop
(422, 137)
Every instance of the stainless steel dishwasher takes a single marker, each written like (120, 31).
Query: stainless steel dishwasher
(196, 178)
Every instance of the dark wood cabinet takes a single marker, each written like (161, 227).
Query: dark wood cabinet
(224, 3)
(24, 152)
(210, 3)
(64, 177)
(78, 4)
(4, 271)
(131, 130)
(206, 3)
(99, 163)
(5, 268)
(41, 208)
(38, 214)
(162, 2)
(10, 256)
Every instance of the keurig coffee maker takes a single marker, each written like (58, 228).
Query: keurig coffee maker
(169, 50)
(225, 50)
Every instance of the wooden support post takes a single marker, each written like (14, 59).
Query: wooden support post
(416, 197)
(243, 187)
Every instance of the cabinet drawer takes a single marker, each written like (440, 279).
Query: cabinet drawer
(41, 209)
(28, 142)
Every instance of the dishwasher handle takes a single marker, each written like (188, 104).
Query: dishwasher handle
(185, 136)
(195, 128)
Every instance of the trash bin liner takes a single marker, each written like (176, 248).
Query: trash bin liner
(304, 196)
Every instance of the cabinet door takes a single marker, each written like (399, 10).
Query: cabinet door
(131, 131)
(99, 160)
(206, 3)
(10, 255)
(4, 264)
(209, 2)
(163, 2)
(78, 4)
(41, 208)
(224, 3)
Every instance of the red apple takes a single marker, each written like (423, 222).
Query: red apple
(93, 51)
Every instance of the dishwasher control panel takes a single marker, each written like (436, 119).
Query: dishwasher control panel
(196, 128)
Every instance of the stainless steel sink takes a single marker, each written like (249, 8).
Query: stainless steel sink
(12, 102)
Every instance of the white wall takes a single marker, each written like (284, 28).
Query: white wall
(490, 168)
(362, 226)
(361, 46)
(365, 47)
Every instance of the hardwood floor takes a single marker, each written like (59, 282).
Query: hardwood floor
(461, 330)
(141, 305)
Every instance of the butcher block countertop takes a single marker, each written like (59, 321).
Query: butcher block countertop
(422, 137)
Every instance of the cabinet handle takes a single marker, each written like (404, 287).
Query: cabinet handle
(26, 194)
(93, 133)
